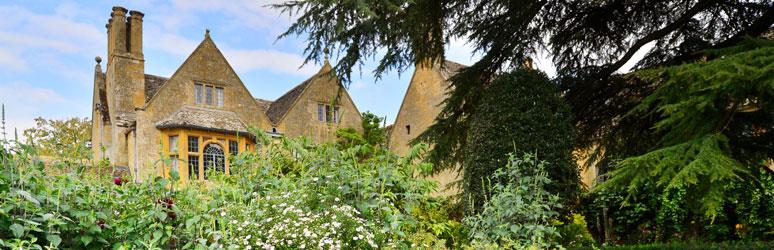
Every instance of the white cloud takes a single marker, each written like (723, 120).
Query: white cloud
(359, 85)
(168, 42)
(243, 60)
(627, 67)
(57, 32)
(273, 60)
(251, 13)
(9, 60)
(24, 102)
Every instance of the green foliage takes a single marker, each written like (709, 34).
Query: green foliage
(521, 112)
(693, 246)
(713, 125)
(520, 210)
(588, 40)
(658, 215)
(575, 233)
(373, 133)
(290, 194)
(61, 138)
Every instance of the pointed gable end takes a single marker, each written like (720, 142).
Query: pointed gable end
(279, 108)
(207, 65)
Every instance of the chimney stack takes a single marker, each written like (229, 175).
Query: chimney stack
(117, 38)
(135, 34)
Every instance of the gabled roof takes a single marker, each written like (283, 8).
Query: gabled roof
(152, 85)
(449, 69)
(264, 104)
(204, 119)
(278, 108)
(157, 82)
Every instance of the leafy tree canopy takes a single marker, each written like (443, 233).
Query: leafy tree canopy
(66, 138)
(587, 40)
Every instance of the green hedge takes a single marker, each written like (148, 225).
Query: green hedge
(692, 246)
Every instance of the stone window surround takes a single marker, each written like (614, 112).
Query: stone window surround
(216, 103)
(329, 113)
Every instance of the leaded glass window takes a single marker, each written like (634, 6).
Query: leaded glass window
(233, 147)
(214, 159)
(219, 96)
(320, 112)
(193, 144)
(208, 95)
(174, 163)
(198, 93)
(193, 167)
(173, 144)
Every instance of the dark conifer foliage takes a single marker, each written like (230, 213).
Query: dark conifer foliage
(588, 41)
(521, 112)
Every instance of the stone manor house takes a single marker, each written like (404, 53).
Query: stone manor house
(202, 112)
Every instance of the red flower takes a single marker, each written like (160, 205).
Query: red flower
(118, 181)
(166, 203)
(171, 215)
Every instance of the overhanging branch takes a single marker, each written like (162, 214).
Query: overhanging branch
(685, 18)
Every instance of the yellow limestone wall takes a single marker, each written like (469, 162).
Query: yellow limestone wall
(420, 106)
(182, 153)
(205, 65)
(301, 119)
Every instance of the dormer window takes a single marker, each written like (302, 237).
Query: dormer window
(208, 95)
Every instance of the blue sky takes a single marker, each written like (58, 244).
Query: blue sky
(47, 51)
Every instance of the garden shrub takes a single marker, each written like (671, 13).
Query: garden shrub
(575, 233)
(521, 111)
(291, 194)
(520, 210)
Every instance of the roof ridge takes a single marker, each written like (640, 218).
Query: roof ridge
(278, 108)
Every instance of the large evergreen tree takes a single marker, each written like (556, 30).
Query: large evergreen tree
(520, 112)
(589, 41)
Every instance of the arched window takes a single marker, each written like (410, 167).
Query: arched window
(214, 158)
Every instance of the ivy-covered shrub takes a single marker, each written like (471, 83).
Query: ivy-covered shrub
(656, 215)
(521, 111)
(520, 210)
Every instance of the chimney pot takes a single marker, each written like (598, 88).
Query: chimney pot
(119, 10)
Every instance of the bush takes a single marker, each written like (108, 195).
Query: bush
(520, 210)
(575, 233)
(693, 246)
(293, 194)
(521, 111)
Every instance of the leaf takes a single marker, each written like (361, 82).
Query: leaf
(54, 239)
(86, 239)
(157, 235)
(190, 222)
(27, 196)
(18, 230)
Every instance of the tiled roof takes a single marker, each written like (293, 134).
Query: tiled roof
(278, 108)
(264, 104)
(152, 85)
(450, 69)
(204, 119)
